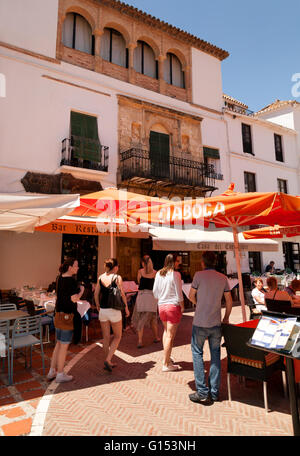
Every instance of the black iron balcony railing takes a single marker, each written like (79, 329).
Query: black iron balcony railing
(238, 109)
(175, 170)
(84, 153)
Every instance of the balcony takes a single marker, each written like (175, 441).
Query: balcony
(84, 153)
(136, 166)
(238, 109)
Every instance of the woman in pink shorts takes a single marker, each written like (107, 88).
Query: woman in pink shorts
(168, 290)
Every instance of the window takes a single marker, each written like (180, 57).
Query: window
(113, 47)
(77, 33)
(84, 138)
(278, 147)
(247, 139)
(144, 60)
(282, 185)
(250, 184)
(173, 73)
(212, 157)
(255, 262)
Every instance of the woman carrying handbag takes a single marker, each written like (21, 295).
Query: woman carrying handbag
(110, 299)
(65, 317)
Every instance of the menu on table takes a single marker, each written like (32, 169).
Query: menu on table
(276, 333)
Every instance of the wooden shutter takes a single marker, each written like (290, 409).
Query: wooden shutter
(84, 134)
(278, 147)
(159, 154)
(247, 139)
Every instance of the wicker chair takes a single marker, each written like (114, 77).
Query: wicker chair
(249, 362)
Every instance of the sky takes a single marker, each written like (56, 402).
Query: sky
(261, 36)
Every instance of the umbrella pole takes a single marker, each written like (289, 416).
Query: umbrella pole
(111, 240)
(238, 265)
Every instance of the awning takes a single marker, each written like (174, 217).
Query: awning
(23, 212)
(197, 240)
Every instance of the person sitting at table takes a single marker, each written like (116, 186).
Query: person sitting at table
(67, 297)
(275, 294)
(292, 289)
(109, 317)
(270, 267)
(145, 312)
(258, 295)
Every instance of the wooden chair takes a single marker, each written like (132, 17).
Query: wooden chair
(249, 362)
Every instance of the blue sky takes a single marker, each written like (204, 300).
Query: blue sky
(262, 37)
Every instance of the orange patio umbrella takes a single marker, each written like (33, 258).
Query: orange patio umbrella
(231, 209)
(276, 231)
(103, 213)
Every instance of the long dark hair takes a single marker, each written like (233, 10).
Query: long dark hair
(169, 265)
(147, 262)
(66, 264)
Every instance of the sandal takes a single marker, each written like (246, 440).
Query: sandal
(107, 366)
(156, 341)
(140, 346)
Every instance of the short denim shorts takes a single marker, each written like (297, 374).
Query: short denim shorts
(64, 336)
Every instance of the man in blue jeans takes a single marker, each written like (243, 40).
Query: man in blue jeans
(206, 293)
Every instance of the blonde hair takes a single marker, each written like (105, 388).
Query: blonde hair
(169, 265)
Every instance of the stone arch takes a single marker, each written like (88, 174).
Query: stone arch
(151, 43)
(159, 127)
(181, 57)
(119, 28)
(84, 13)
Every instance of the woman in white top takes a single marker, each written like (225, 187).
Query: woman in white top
(258, 295)
(168, 290)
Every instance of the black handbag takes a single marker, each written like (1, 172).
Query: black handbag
(115, 300)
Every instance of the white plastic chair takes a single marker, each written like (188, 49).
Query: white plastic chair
(23, 335)
(7, 306)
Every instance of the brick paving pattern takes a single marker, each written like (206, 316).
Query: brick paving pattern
(137, 398)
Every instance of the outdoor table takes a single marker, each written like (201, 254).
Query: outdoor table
(12, 314)
(288, 357)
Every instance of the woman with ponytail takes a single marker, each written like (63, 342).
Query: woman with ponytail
(66, 303)
(168, 290)
(145, 312)
(110, 318)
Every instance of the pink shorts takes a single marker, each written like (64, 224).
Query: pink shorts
(170, 313)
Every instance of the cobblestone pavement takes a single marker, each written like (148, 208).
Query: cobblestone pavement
(137, 398)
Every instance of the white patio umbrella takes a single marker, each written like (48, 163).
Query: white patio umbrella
(23, 212)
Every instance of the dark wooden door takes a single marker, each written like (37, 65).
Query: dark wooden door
(159, 155)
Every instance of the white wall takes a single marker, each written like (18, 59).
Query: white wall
(29, 259)
(206, 80)
(30, 24)
(35, 118)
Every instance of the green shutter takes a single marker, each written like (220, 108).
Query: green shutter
(84, 132)
(210, 152)
(159, 154)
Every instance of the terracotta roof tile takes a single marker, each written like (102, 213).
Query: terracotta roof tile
(198, 43)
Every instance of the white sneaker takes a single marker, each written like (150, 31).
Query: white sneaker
(51, 374)
(62, 378)
(170, 368)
